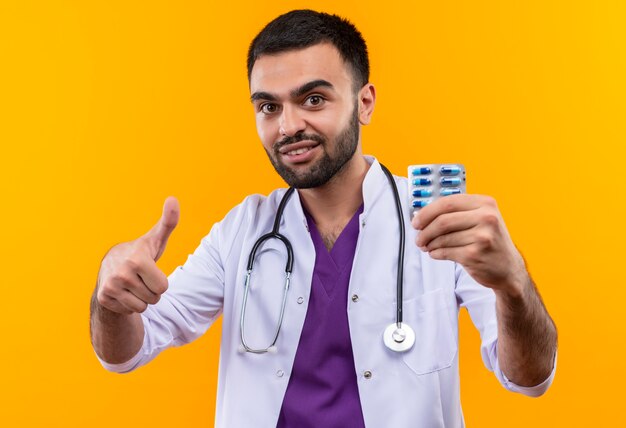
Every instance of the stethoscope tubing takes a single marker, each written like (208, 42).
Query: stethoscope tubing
(274, 234)
(397, 337)
(400, 274)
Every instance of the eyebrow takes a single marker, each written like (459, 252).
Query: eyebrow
(295, 93)
(262, 96)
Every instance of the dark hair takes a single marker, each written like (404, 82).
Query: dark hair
(300, 29)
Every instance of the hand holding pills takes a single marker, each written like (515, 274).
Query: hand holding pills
(469, 230)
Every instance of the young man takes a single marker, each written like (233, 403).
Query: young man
(314, 356)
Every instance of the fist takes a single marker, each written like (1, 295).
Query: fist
(129, 279)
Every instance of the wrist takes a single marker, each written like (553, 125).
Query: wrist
(515, 289)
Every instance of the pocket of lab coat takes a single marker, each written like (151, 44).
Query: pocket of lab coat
(435, 339)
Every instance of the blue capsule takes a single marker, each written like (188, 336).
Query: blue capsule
(420, 204)
(422, 193)
(449, 170)
(422, 182)
(450, 191)
(424, 170)
(450, 181)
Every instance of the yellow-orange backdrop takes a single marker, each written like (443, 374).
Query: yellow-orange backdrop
(108, 107)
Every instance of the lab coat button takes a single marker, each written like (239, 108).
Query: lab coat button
(280, 373)
(300, 300)
(355, 298)
(367, 374)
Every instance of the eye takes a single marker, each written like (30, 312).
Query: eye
(268, 108)
(314, 100)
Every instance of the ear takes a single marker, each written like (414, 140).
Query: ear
(367, 99)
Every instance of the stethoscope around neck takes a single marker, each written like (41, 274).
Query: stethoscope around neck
(398, 337)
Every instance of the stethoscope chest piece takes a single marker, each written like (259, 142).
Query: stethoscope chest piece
(399, 337)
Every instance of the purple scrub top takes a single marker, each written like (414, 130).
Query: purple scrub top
(322, 389)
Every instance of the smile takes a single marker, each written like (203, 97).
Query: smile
(298, 151)
(299, 148)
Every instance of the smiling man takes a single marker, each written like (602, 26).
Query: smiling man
(305, 306)
(308, 114)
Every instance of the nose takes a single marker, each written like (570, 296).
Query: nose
(291, 122)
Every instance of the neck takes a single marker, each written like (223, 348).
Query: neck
(334, 203)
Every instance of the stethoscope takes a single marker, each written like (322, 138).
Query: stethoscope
(398, 337)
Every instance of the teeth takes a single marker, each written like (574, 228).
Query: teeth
(299, 151)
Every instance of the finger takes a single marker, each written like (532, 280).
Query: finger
(450, 240)
(139, 289)
(448, 204)
(153, 278)
(160, 233)
(131, 302)
(447, 223)
(121, 300)
(113, 305)
(455, 254)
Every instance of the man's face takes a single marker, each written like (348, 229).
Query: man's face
(306, 113)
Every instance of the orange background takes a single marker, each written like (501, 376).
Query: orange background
(108, 107)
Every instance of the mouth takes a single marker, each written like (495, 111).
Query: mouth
(298, 152)
(297, 148)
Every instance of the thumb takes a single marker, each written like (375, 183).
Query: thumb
(157, 236)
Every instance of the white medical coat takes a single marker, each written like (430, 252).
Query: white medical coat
(418, 388)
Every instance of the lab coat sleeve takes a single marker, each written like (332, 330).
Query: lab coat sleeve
(194, 298)
(480, 302)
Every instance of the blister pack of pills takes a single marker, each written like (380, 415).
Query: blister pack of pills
(430, 182)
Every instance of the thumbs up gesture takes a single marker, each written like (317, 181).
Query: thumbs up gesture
(129, 279)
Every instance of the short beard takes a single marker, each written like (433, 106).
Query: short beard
(327, 167)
